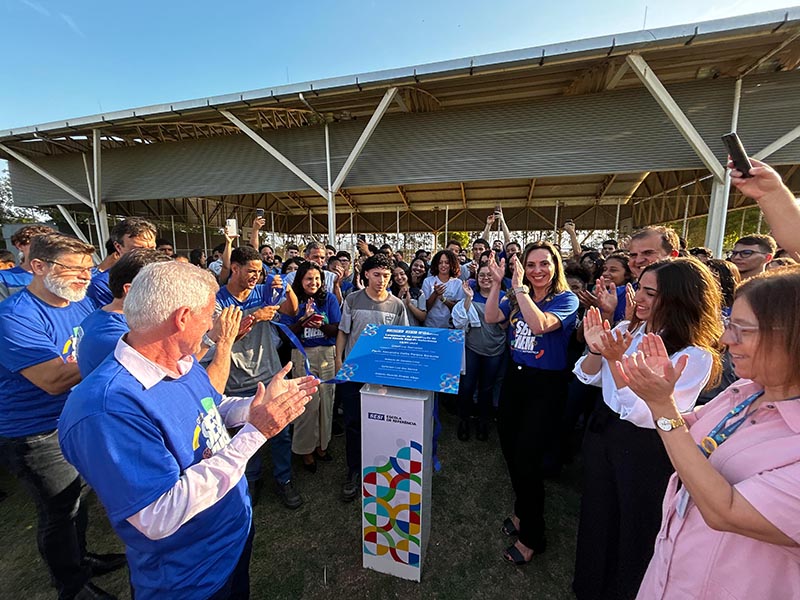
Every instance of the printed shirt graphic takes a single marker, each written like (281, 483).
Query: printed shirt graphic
(312, 336)
(546, 351)
(34, 332)
(131, 445)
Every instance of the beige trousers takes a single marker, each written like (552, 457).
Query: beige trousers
(312, 429)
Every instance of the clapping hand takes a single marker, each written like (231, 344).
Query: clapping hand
(650, 374)
(630, 302)
(497, 271)
(517, 272)
(606, 298)
(469, 293)
(280, 402)
(601, 339)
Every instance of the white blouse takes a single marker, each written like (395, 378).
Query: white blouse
(627, 404)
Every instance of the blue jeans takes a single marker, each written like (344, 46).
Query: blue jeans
(58, 492)
(482, 373)
(281, 448)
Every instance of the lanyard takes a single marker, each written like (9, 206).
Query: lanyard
(724, 430)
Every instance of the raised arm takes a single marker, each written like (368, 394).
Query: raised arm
(780, 208)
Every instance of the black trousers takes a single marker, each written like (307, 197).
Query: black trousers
(59, 495)
(531, 405)
(626, 471)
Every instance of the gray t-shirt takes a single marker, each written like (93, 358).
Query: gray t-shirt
(254, 357)
(359, 310)
(489, 339)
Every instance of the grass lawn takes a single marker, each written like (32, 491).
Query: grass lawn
(315, 551)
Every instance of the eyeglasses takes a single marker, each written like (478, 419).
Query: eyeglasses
(736, 330)
(743, 253)
(71, 270)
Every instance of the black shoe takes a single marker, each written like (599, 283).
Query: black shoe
(91, 592)
(351, 488)
(463, 430)
(100, 564)
(336, 429)
(310, 467)
(482, 431)
(289, 496)
(254, 488)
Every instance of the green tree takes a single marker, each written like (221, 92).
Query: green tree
(462, 237)
(14, 214)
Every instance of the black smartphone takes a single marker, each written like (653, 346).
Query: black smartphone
(260, 213)
(362, 237)
(737, 153)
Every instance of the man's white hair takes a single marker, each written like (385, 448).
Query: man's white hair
(160, 289)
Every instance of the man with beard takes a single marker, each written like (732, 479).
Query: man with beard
(37, 370)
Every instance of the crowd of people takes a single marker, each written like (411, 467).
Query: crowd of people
(156, 379)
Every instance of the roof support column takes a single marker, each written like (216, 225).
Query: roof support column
(720, 190)
(648, 78)
(274, 152)
(72, 224)
(101, 216)
(365, 135)
(51, 178)
(331, 193)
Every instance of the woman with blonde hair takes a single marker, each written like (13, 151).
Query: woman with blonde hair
(541, 311)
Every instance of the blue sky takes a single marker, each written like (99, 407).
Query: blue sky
(64, 59)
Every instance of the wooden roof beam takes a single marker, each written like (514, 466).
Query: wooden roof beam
(402, 192)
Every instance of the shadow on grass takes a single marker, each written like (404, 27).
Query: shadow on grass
(315, 552)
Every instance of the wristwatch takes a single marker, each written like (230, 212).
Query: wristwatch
(523, 288)
(665, 424)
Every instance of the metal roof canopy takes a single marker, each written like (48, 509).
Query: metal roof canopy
(727, 48)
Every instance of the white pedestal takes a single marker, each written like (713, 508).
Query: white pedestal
(396, 440)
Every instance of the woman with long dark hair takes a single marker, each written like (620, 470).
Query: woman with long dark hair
(442, 289)
(729, 526)
(626, 469)
(541, 311)
(412, 297)
(419, 270)
(316, 325)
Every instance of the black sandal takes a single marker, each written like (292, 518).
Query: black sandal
(509, 528)
(514, 556)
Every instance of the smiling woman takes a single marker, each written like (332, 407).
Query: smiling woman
(626, 467)
(737, 459)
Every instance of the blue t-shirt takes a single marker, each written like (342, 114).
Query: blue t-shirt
(97, 338)
(622, 303)
(131, 445)
(254, 357)
(99, 290)
(311, 336)
(34, 332)
(546, 351)
(13, 280)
